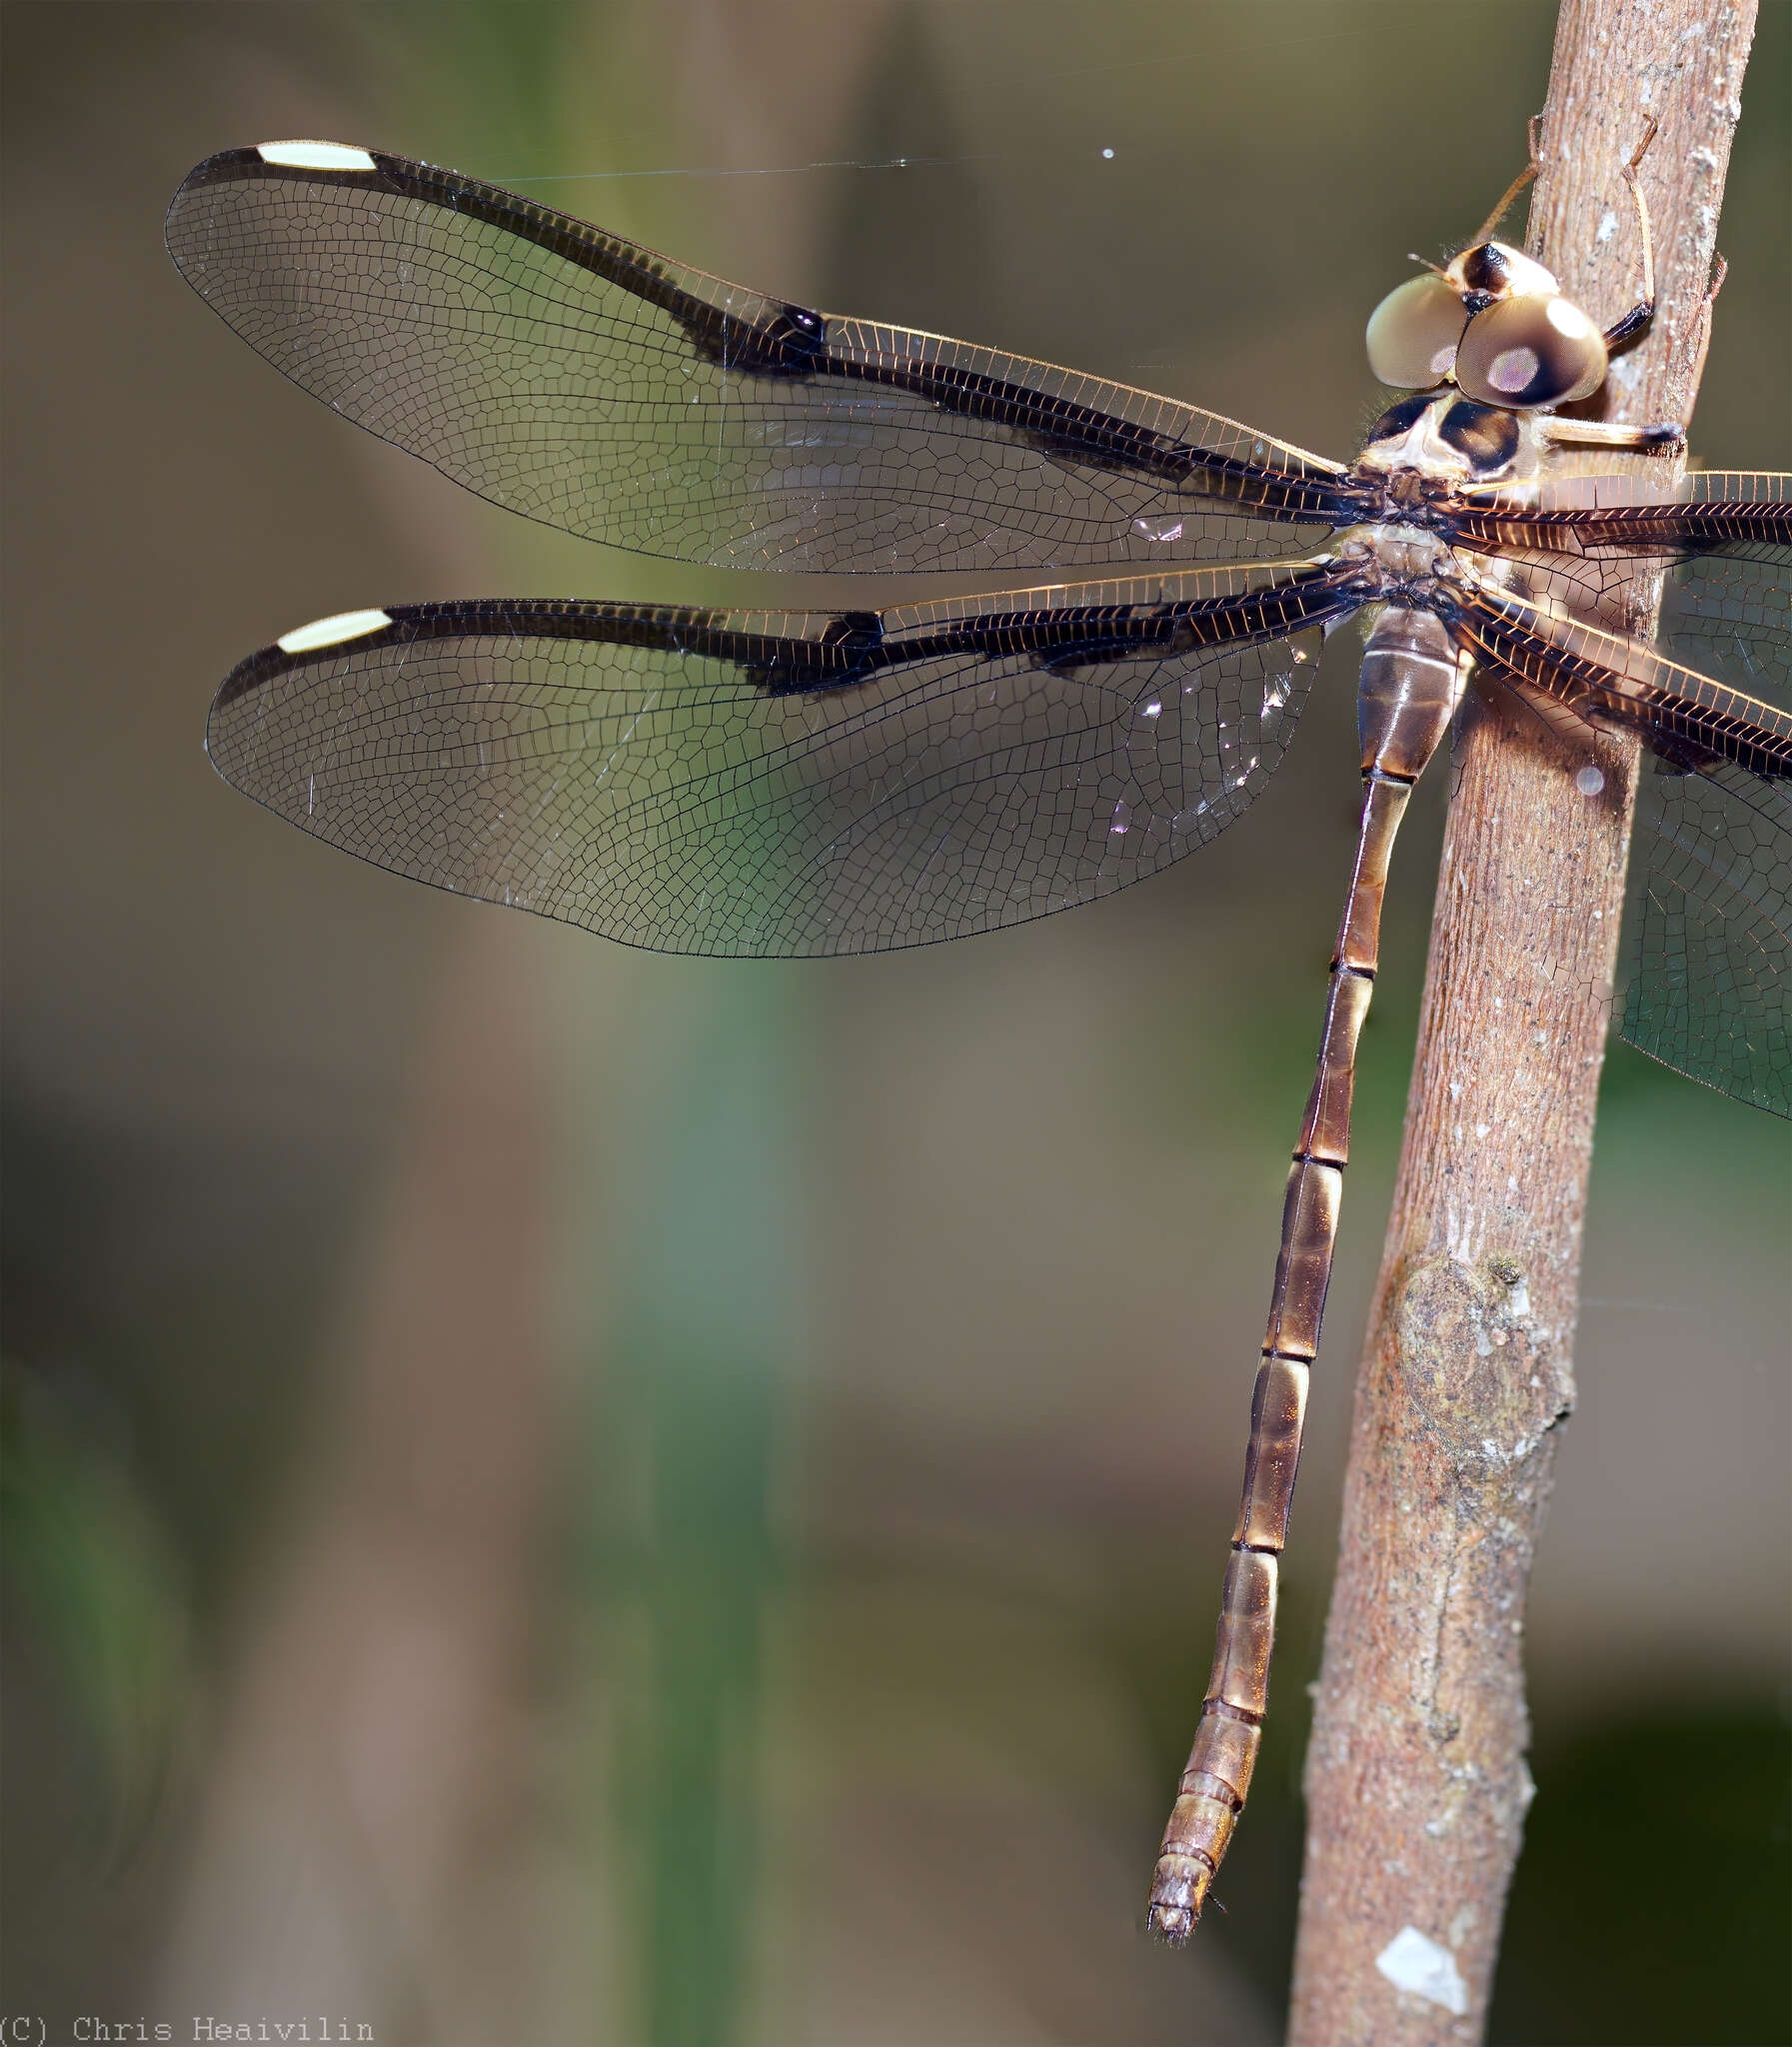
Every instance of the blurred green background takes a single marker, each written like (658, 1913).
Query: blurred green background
(555, 1494)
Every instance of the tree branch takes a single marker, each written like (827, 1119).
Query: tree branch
(1415, 1779)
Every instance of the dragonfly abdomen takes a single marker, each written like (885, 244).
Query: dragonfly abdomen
(1412, 680)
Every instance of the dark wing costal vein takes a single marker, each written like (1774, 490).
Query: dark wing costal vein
(756, 782)
(1688, 720)
(789, 784)
(1667, 531)
(849, 444)
(1705, 975)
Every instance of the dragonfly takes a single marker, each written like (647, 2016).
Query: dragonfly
(778, 783)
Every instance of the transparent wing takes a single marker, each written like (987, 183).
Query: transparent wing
(586, 382)
(1731, 618)
(1607, 678)
(1721, 542)
(1707, 945)
(752, 783)
(1706, 975)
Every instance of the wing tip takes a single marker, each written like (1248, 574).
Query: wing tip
(288, 652)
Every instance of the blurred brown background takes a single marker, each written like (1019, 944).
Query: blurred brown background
(556, 1495)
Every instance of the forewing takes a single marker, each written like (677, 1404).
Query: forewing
(1721, 542)
(748, 782)
(1617, 518)
(584, 381)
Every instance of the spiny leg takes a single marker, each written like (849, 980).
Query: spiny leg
(1666, 434)
(1639, 316)
(1485, 233)
(1608, 434)
(1597, 433)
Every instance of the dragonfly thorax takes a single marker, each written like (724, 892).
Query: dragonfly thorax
(1398, 563)
(1446, 439)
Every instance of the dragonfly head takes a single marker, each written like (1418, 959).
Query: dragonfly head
(1496, 325)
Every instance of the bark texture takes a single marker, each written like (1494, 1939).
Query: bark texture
(1416, 1783)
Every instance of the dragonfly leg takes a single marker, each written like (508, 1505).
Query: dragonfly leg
(1413, 680)
(1667, 433)
(1485, 233)
(1607, 433)
(1631, 323)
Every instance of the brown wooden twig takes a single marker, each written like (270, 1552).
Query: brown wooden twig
(1416, 1783)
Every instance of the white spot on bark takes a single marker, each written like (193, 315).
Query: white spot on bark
(1412, 1961)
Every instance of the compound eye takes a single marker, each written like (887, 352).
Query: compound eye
(1413, 333)
(1529, 350)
